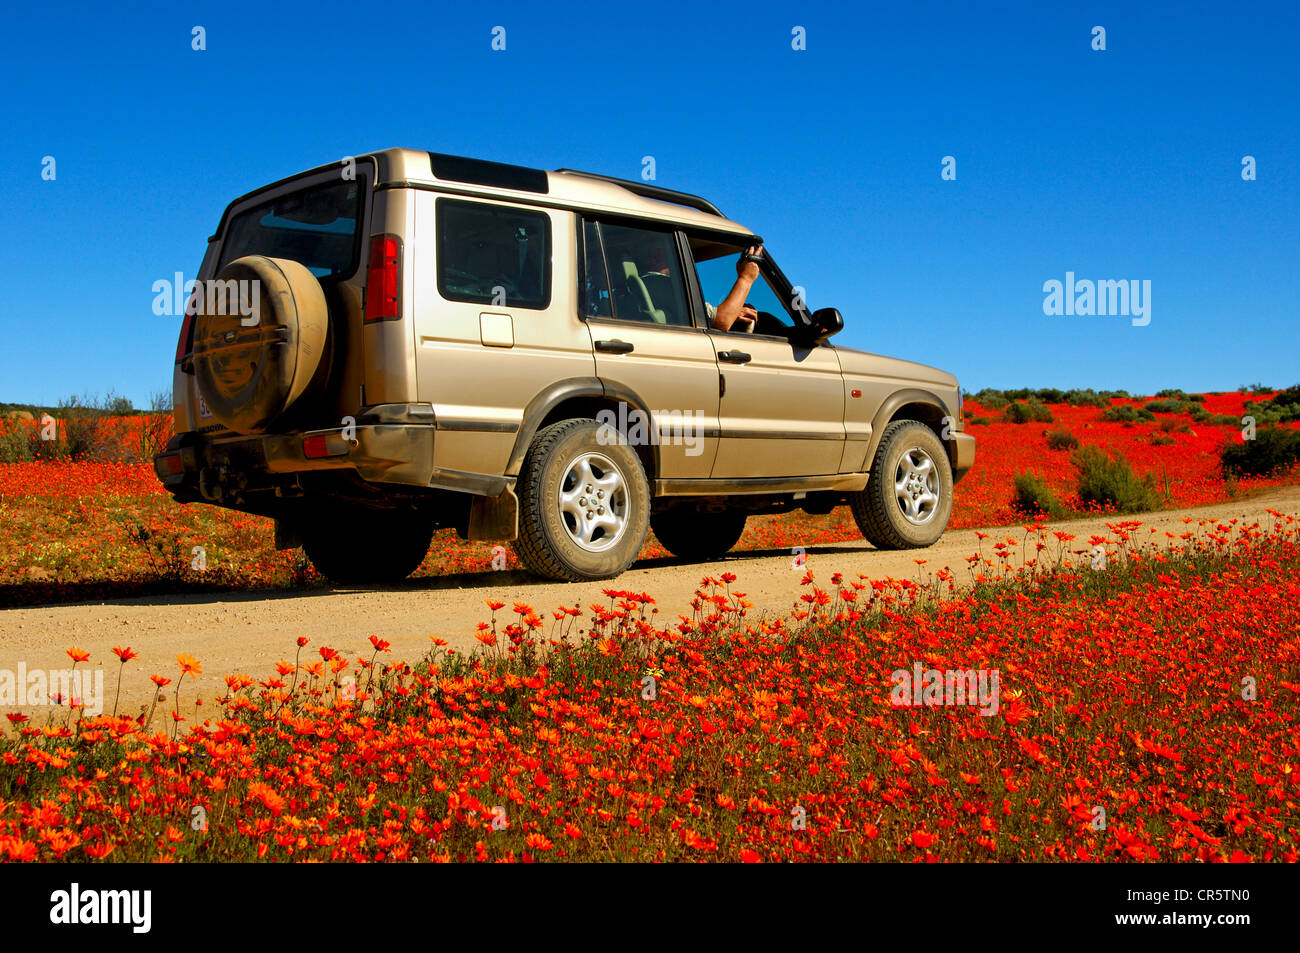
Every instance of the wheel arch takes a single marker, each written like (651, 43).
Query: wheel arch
(911, 403)
(577, 398)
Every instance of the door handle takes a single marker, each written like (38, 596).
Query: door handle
(734, 357)
(614, 347)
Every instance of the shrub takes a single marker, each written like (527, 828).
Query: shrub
(980, 420)
(1225, 420)
(1085, 398)
(991, 400)
(1167, 407)
(1170, 425)
(1161, 439)
(1110, 481)
(1022, 412)
(1272, 449)
(1126, 413)
(1033, 496)
(1062, 439)
(16, 440)
(88, 431)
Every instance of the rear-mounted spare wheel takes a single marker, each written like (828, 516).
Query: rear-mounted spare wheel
(258, 340)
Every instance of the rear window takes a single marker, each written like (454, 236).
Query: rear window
(317, 227)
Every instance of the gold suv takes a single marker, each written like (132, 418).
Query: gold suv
(407, 340)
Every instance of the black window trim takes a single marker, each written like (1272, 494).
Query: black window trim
(506, 203)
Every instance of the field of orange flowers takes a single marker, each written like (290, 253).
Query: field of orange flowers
(75, 531)
(1148, 711)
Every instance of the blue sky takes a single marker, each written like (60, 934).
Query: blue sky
(1115, 164)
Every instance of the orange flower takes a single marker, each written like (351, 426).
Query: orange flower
(77, 655)
(189, 666)
(125, 654)
(267, 795)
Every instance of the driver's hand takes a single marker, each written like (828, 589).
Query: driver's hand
(745, 320)
(749, 269)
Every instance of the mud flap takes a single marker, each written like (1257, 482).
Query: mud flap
(494, 517)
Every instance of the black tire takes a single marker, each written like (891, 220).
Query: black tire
(359, 546)
(877, 508)
(549, 531)
(695, 534)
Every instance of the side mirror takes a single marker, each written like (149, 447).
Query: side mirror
(825, 323)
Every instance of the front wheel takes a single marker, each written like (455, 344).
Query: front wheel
(584, 504)
(908, 497)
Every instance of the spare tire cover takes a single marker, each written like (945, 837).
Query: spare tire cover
(253, 360)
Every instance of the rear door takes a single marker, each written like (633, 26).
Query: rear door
(496, 320)
(646, 344)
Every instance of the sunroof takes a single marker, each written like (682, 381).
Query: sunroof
(481, 172)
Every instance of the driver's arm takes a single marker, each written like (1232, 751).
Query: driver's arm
(732, 308)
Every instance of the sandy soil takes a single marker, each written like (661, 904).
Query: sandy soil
(248, 632)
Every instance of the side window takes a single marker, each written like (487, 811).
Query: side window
(495, 255)
(595, 283)
(645, 275)
(715, 265)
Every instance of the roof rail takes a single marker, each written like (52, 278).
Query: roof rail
(653, 192)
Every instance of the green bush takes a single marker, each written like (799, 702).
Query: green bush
(1022, 412)
(1110, 481)
(16, 442)
(1033, 496)
(1170, 425)
(1126, 414)
(1272, 449)
(1161, 439)
(1167, 406)
(1085, 398)
(984, 421)
(1062, 439)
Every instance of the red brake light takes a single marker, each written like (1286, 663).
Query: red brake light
(383, 279)
(183, 345)
(314, 447)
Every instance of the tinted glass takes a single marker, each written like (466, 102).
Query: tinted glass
(317, 227)
(645, 275)
(494, 255)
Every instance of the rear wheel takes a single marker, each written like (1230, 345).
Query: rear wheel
(696, 534)
(583, 504)
(908, 497)
(359, 546)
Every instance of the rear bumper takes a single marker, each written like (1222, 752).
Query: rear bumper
(962, 454)
(390, 444)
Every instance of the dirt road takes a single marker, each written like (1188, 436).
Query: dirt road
(249, 632)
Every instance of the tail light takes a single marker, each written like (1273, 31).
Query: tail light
(384, 279)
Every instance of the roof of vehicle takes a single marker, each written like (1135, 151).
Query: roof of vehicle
(562, 188)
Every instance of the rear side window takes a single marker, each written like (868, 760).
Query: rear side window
(317, 227)
(644, 275)
(495, 255)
